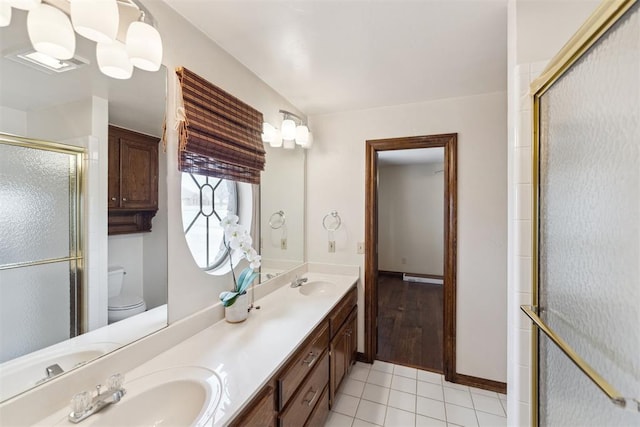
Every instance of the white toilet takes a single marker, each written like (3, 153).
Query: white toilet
(122, 304)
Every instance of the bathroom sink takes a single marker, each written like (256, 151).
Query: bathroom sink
(317, 288)
(185, 396)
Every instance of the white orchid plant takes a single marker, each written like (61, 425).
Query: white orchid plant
(237, 237)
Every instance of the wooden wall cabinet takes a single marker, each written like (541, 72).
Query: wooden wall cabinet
(307, 383)
(133, 181)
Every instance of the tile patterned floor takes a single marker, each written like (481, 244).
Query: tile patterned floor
(384, 394)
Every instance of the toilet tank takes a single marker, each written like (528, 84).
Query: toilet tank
(116, 278)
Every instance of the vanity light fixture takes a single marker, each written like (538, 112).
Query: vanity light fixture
(293, 131)
(123, 29)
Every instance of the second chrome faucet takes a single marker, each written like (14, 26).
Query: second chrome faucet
(83, 405)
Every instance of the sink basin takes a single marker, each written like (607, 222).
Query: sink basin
(318, 287)
(186, 396)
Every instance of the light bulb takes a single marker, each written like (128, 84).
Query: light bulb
(5, 13)
(268, 132)
(302, 134)
(144, 46)
(289, 144)
(113, 60)
(309, 142)
(277, 139)
(24, 4)
(50, 32)
(96, 20)
(288, 129)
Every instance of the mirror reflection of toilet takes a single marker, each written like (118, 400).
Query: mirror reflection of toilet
(121, 303)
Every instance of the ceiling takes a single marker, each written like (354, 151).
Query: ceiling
(414, 156)
(329, 56)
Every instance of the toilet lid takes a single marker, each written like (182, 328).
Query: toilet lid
(125, 302)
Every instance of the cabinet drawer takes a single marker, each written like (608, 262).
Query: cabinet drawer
(321, 411)
(341, 312)
(303, 402)
(302, 363)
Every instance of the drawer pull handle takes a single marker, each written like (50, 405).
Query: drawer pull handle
(311, 359)
(309, 401)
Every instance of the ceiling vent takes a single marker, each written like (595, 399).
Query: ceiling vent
(46, 63)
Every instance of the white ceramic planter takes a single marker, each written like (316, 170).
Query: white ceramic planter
(239, 311)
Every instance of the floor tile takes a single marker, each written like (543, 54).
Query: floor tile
(461, 416)
(490, 420)
(430, 390)
(352, 387)
(345, 404)
(483, 392)
(379, 365)
(375, 393)
(458, 397)
(362, 365)
(488, 404)
(422, 421)
(405, 384)
(372, 412)
(402, 400)
(431, 377)
(359, 373)
(454, 385)
(379, 378)
(405, 371)
(430, 408)
(362, 423)
(338, 420)
(399, 418)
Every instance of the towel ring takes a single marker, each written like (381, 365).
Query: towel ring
(277, 220)
(334, 221)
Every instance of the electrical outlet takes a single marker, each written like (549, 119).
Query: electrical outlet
(360, 249)
(332, 246)
(283, 244)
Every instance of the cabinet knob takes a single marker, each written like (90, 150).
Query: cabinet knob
(113, 198)
(124, 199)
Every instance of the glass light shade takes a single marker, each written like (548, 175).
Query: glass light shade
(289, 144)
(309, 142)
(5, 13)
(302, 134)
(113, 60)
(268, 133)
(50, 32)
(277, 139)
(23, 4)
(288, 129)
(96, 20)
(144, 46)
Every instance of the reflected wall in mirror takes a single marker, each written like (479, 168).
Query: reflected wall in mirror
(75, 108)
(282, 204)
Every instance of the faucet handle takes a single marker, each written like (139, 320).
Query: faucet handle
(80, 403)
(115, 381)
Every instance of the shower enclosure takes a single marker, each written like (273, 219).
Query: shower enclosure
(40, 250)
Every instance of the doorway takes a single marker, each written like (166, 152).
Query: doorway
(378, 285)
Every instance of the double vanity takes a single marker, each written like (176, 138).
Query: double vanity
(282, 366)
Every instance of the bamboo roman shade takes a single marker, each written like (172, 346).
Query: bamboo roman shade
(220, 135)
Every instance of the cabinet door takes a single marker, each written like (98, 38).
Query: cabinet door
(338, 361)
(114, 171)
(138, 174)
(260, 412)
(352, 339)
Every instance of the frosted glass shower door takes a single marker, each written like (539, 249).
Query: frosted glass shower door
(588, 233)
(40, 258)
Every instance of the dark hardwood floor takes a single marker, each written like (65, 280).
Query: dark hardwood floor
(410, 323)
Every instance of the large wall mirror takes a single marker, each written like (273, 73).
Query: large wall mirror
(40, 108)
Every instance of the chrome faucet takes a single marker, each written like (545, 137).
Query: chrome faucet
(83, 405)
(298, 281)
(51, 372)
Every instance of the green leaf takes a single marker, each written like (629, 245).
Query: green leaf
(242, 277)
(244, 285)
(228, 297)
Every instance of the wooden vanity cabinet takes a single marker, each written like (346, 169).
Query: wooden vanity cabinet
(306, 384)
(133, 181)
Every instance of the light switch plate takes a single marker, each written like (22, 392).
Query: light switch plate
(332, 246)
(283, 244)
(360, 248)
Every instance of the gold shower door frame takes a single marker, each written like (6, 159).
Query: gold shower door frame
(76, 237)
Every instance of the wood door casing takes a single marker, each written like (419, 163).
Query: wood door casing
(449, 142)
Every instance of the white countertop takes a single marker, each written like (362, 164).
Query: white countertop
(245, 355)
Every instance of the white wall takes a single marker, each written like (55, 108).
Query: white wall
(336, 180)
(411, 218)
(529, 49)
(189, 288)
(13, 121)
